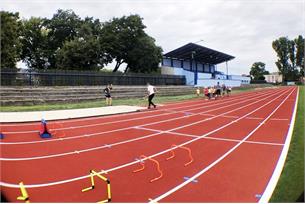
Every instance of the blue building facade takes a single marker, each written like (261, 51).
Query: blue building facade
(198, 65)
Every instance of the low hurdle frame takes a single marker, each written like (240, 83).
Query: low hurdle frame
(143, 167)
(186, 148)
(24, 194)
(94, 173)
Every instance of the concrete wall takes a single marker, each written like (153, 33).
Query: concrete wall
(213, 82)
(205, 79)
(244, 80)
(189, 76)
(53, 95)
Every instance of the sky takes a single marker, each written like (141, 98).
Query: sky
(242, 28)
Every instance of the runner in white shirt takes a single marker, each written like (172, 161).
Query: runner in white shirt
(151, 93)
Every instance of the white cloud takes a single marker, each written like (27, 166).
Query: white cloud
(244, 29)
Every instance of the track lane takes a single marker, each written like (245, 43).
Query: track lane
(118, 171)
(67, 124)
(70, 145)
(36, 163)
(202, 173)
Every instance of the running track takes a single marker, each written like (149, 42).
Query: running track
(237, 143)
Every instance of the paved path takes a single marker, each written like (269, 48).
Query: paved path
(65, 114)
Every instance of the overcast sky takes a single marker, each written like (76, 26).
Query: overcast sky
(244, 29)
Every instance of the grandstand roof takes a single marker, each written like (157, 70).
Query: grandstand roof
(199, 54)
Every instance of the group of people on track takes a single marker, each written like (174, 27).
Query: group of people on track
(215, 92)
(210, 92)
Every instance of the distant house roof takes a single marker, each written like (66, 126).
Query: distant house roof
(199, 53)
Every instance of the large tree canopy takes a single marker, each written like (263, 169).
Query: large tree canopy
(300, 55)
(63, 26)
(67, 41)
(290, 55)
(11, 28)
(144, 57)
(35, 52)
(258, 71)
(84, 52)
(126, 42)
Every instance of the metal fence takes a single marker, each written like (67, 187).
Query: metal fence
(26, 77)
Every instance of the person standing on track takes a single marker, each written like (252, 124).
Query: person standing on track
(107, 92)
(151, 90)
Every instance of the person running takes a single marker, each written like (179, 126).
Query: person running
(151, 90)
(107, 92)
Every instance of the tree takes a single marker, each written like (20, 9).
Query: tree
(80, 54)
(62, 27)
(10, 39)
(125, 41)
(285, 50)
(144, 57)
(84, 52)
(258, 71)
(300, 44)
(35, 43)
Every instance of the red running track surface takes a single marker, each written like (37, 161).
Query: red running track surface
(236, 144)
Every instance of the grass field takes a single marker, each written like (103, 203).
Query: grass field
(291, 183)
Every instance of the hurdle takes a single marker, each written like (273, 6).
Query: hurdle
(186, 148)
(24, 195)
(92, 175)
(143, 167)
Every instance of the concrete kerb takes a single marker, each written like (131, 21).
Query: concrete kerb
(33, 116)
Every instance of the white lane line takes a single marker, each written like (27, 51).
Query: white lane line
(131, 119)
(131, 163)
(213, 138)
(121, 129)
(237, 96)
(219, 159)
(280, 164)
(100, 147)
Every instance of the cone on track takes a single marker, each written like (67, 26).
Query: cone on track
(44, 133)
(1, 135)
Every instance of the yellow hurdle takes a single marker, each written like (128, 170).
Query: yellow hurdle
(24, 195)
(94, 173)
(92, 183)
